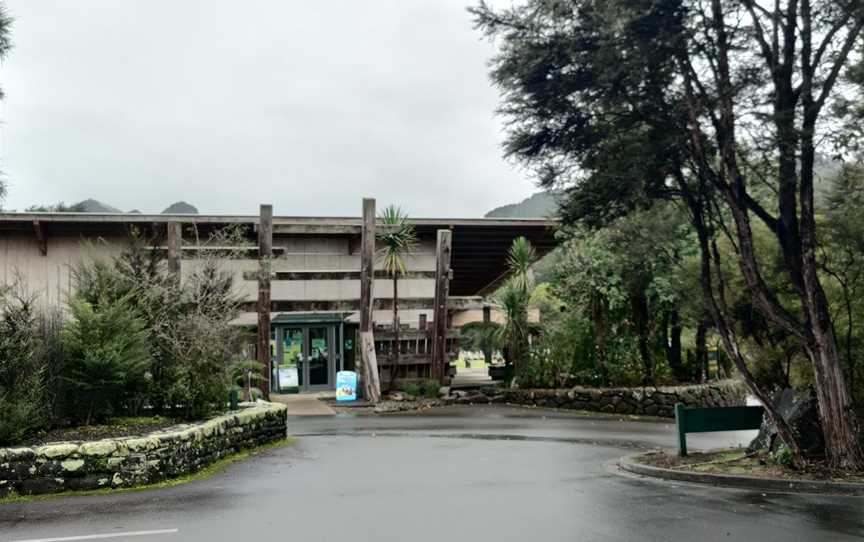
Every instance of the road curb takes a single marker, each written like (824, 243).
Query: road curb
(629, 464)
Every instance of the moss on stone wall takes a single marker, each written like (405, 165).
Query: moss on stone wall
(646, 401)
(130, 461)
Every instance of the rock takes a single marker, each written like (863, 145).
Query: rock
(800, 409)
(99, 448)
(72, 465)
(57, 451)
(443, 391)
(37, 486)
(92, 481)
(397, 396)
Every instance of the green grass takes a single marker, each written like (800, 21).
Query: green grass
(200, 474)
(739, 462)
(476, 362)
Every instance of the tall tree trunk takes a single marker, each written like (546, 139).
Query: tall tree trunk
(702, 349)
(394, 361)
(598, 318)
(672, 342)
(716, 304)
(639, 307)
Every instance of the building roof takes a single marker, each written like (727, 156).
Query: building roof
(478, 257)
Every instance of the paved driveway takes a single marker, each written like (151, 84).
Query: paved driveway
(488, 473)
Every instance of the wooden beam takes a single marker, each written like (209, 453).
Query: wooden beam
(368, 360)
(443, 250)
(454, 303)
(265, 254)
(367, 264)
(335, 275)
(41, 239)
(316, 229)
(174, 241)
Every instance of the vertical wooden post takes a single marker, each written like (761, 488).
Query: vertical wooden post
(487, 319)
(443, 249)
(368, 359)
(174, 235)
(367, 264)
(265, 253)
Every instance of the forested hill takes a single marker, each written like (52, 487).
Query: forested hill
(540, 205)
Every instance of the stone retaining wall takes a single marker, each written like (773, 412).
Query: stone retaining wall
(650, 401)
(129, 461)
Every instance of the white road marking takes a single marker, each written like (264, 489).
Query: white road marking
(100, 536)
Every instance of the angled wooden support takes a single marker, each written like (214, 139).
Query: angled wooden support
(40, 237)
(368, 360)
(265, 254)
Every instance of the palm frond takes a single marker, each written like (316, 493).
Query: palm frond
(398, 239)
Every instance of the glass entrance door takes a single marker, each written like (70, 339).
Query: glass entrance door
(289, 359)
(306, 358)
(319, 356)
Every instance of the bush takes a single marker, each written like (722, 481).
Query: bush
(412, 389)
(107, 358)
(431, 389)
(22, 390)
(783, 455)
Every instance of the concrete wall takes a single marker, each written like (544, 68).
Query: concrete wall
(129, 461)
(49, 276)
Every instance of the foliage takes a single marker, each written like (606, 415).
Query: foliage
(399, 240)
(5, 47)
(480, 337)
(514, 299)
(411, 388)
(22, 389)
(190, 339)
(721, 107)
(428, 389)
(106, 357)
(783, 455)
(59, 207)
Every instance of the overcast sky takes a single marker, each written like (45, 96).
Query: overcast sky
(306, 105)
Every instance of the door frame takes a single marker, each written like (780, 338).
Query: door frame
(334, 332)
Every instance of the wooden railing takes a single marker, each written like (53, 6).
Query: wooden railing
(415, 352)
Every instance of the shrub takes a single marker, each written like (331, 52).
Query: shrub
(411, 388)
(22, 397)
(203, 343)
(431, 388)
(107, 357)
(783, 455)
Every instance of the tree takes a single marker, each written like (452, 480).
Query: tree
(626, 275)
(107, 352)
(398, 240)
(514, 298)
(5, 47)
(22, 386)
(720, 104)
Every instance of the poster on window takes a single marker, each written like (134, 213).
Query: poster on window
(288, 377)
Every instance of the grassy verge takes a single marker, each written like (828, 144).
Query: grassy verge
(200, 474)
(738, 462)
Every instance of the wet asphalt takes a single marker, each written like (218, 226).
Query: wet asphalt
(456, 474)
